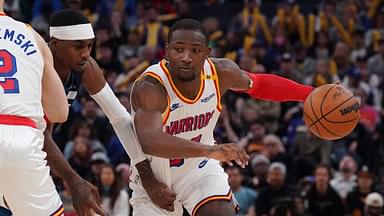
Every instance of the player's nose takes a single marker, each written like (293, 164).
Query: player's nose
(186, 58)
(85, 53)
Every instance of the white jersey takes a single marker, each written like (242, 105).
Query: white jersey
(189, 119)
(21, 71)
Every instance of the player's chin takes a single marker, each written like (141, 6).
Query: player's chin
(79, 67)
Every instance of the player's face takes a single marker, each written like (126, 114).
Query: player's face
(186, 53)
(74, 53)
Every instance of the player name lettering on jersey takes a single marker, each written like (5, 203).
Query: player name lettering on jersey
(190, 123)
(19, 39)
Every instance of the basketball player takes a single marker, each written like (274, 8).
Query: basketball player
(176, 104)
(28, 82)
(71, 42)
(71, 45)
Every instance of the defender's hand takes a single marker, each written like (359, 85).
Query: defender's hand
(229, 152)
(85, 198)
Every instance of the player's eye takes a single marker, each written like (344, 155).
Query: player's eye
(196, 51)
(179, 50)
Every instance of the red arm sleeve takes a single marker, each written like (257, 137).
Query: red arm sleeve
(276, 88)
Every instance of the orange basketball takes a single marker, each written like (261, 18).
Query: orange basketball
(331, 112)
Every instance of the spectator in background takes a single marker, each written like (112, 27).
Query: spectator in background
(376, 62)
(275, 151)
(373, 205)
(81, 157)
(98, 161)
(276, 192)
(85, 130)
(245, 196)
(354, 204)
(322, 199)
(114, 197)
(259, 170)
(305, 65)
(345, 179)
(323, 74)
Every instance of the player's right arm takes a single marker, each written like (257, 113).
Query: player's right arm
(149, 100)
(54, 101)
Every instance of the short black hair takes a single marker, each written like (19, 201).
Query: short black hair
(68, 17)
(188, 24)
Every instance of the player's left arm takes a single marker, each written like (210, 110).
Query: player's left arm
(259, 86)
(122, 123)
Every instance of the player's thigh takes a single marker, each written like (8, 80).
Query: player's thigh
(32, 192)
(217, 208)
(29, 187)
(209, 186)
(144, 207)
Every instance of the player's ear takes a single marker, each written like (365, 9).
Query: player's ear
(208, 52)
(166, 52)
(53, 43)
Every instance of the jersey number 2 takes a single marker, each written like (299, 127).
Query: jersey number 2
(8, 68)
(180, 162)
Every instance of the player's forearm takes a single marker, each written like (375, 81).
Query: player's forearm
(276, 88)
(160, 144)
(146, 175)
(58, 164)
(121, 122)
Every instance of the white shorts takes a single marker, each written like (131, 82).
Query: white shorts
(195, 189)
(25, 179)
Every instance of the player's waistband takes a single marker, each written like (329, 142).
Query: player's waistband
(17, 120)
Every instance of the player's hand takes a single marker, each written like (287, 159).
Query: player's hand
(229, 152)
(162, 195)
(85, 198)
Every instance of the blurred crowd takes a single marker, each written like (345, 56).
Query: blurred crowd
(290, 172)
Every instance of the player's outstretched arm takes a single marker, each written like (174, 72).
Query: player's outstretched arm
(54, 101)
(149, 99)
(85, 196)
(259, 86)
(121, 121)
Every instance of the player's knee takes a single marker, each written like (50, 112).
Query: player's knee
(217, 208)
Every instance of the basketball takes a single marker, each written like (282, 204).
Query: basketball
(331, 111)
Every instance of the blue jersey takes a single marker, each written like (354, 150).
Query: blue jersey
(72, 86)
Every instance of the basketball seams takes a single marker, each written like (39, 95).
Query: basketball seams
(305, 114)
(331, 111)
(313, 111)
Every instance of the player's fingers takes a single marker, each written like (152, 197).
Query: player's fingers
(171, 194)
(239, 162)
(229, 163)
(96, 194)
(97, 208)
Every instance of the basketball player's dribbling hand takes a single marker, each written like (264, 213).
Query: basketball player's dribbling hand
(228, 152)
(85, 198)
(162, 196)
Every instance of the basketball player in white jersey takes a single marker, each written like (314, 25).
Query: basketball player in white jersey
(176, 105)
(28, 83)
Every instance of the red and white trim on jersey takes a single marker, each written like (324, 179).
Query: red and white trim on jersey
(2, 14)
(59, 211)
(178, 93)
(17, 120)
(215, 76)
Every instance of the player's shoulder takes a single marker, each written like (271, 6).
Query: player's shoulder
(149, 92)
(224, 65)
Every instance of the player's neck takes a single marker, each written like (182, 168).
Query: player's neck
(62, 69)
(189, 89)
